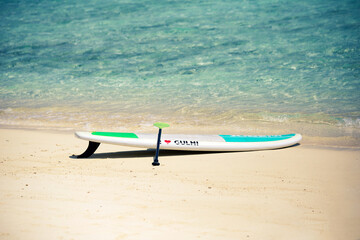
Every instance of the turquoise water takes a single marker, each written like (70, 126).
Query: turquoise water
(198, 60)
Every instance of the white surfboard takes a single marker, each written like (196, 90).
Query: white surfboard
(192, 142)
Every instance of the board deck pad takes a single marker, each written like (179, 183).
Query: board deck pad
(240, 138)
(115, 134)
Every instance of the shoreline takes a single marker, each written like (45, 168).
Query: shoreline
(316, 129)
(301, 192)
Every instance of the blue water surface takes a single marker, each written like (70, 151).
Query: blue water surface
(295, 58)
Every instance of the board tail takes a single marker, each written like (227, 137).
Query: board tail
(90, 150)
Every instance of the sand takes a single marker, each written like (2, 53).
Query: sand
(302, 192)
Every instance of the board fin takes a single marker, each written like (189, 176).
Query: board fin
(90, 150)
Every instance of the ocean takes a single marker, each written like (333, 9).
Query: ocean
(258, 67)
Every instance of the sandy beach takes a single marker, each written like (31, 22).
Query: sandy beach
(302, 192)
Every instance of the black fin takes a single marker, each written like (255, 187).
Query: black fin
(90, 150)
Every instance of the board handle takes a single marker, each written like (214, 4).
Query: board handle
(161, 125)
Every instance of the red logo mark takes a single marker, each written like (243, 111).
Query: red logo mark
(167, 141)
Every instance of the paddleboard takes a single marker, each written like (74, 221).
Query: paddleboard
(192, 142)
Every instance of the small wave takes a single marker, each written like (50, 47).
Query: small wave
(278, 118)
(350, 122)
(6, 110)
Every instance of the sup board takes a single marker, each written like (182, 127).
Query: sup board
(189, 142)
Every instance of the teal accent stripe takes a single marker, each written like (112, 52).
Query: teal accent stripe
(115, 134)
(241, 138)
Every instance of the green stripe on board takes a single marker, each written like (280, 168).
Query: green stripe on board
(240, 138)
(115, 134)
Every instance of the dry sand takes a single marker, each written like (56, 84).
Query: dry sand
(303, 192)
